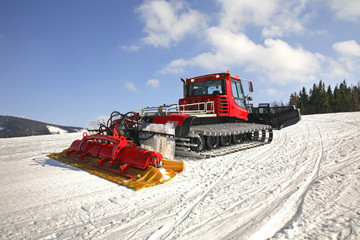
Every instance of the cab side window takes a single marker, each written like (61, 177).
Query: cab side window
(238, 93)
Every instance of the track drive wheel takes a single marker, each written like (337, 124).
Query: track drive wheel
(237, 138)
(255, 135)
(250, 135)
(212, 142)
(225, 140)
(200, 141)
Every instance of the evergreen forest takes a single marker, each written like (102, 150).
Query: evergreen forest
(322, 99)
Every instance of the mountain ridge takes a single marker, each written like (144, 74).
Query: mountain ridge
(11, 126)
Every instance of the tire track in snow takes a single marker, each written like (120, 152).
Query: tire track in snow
(315, 176)
(291, 203)
(167, 229)
(307, 185)
(264, 154)
(260, 153)
(332, 201)
(264, 204)
(247, 217)
(322, 211)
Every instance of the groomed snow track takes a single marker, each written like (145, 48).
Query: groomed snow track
(304, 185)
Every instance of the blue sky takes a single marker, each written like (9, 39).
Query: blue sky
(69, 62)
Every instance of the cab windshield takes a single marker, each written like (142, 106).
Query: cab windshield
(209, 87)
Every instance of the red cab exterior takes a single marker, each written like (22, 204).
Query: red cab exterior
(221, 92)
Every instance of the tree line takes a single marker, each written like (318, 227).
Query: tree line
(322, 99)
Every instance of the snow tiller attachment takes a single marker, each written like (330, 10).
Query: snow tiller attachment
(119, 160)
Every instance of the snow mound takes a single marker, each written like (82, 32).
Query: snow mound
(56, 130)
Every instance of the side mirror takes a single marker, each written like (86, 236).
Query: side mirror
(185, 93)
(251, 88)
(249, 98)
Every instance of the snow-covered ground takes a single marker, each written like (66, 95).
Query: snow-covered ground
(304, 185)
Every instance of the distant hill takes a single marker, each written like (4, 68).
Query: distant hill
(17, 127)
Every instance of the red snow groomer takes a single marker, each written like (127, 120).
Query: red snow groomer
(215, 117)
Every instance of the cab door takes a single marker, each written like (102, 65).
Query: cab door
(238, 104)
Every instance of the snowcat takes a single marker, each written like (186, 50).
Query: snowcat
(214, 117)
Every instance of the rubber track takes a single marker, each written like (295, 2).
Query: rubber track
(225, 129)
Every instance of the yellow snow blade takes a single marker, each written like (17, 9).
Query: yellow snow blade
(177, 166)
(149, 177)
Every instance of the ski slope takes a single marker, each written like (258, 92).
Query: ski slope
(306, 184)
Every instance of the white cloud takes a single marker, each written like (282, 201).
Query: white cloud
(130, 48)
(349, 54)
(168, 21)
(274, 92)
(348, 48)
(230, 47)
(346, 9)
(277, 17)
(153, 82)
(175, 66)
(337, 68)
(286, 20)
(276, 59)
(131, 87)
(237, 14)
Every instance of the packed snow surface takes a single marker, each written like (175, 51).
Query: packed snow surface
(305, 184)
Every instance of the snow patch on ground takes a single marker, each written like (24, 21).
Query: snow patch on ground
(56, 130)
(304, 185)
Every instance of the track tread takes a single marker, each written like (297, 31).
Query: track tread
(224, 129)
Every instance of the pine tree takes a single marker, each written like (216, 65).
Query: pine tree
(303, 102)
(337, 100)
(330, 96)
(324, 106)
(355, 98)
(345, 103)
(294, 99)
(320, 100)
(314, 99)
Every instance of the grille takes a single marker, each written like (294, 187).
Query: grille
(223, 105)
